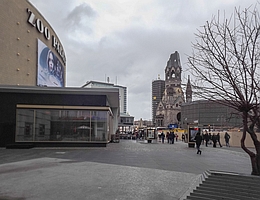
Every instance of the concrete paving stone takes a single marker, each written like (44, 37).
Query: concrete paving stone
(126, 170)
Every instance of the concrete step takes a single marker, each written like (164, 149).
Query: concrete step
(223, 186)
(232, 184)
(228, 193)
(234, 176)
(228, 189)
(227, 186)
(234, 179)
(20, 146)
(211, 196)
(198, 198)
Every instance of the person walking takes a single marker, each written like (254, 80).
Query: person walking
(198, 139)
(210, 138)
(168, 137)
(171, 137)
(227, 137)
(206, 138)
(218, 140)
(162, 136)
(214, 140)
(183, 137)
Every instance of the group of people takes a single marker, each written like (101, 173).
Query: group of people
(170, 136)
(215, 138)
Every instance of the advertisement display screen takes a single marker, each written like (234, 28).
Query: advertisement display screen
(192, 133)
(50, 69)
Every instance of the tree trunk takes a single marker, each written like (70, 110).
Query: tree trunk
(254, 157)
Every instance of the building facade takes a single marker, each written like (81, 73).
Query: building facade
(168, 112)
(36, 106)
(158, 87)
(126, 121)
(122, 92)
(42, 116)
(31, 52)
(210, 115)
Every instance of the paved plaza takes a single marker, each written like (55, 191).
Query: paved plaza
(126, 170)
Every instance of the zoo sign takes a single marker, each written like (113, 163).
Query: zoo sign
(36, 22)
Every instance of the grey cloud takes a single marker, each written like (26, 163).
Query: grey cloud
(134, 56)
(80, 17)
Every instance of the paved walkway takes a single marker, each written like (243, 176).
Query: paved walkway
(125, 170)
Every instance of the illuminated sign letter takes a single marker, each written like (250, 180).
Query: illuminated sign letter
(47, 33)
(39, 26)
(31, 17)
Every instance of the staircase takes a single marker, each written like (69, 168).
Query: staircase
(216, 185)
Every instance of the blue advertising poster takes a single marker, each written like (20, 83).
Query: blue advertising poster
(50, 69)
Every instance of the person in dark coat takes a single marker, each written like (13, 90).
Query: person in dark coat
(198, 139)
(214, 140)
(206, 138)
(218, 140)
(227, 137)
(162, 136)
(183, 137)
(172, 137)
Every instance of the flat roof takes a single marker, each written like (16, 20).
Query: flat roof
(111, 93)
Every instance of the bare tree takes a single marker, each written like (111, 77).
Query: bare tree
(225, 64)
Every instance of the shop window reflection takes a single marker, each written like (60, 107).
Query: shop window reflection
(61, 125)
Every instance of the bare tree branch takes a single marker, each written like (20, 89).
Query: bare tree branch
(226, 69)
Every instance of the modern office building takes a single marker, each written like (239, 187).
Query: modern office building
(126, 121)
(36, 107)
(158, 87)
(209, 115)
(122, 92)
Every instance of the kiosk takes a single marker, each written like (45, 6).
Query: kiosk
(192, 131)
(150, 135)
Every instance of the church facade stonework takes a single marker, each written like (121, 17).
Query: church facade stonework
(168, 112)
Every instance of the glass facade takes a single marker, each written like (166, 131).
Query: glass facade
(210, 114)
(75, 125)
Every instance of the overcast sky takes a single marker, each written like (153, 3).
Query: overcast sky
(129, 41)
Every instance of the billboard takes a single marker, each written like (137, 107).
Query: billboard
(50, 69)
(192, 133)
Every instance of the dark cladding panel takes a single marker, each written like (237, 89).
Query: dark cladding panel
(9, 99)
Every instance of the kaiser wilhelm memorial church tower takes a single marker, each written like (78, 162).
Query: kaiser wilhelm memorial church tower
(168, 112)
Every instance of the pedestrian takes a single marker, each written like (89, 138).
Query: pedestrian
(168, 137)
(218, 140)
(172, 137)
(227, 137)
(210, 138)
(206, 138)
(198, 140)
(176, 137)
(162, 136)
(183, 137)
(203, 138)
(214, 140)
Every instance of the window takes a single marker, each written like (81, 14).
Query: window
(62, 125)
(28, 129)
(41, 129)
